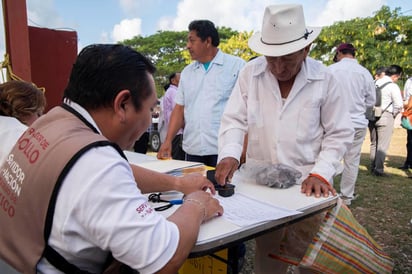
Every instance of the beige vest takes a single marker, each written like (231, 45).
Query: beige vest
(30, 180)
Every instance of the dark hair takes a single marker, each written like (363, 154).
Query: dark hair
(171, 76)
(166, 87)
(348, 51)
(101, 71)
(380, 70)
(393, 70)
(335, 58)
(205, 29)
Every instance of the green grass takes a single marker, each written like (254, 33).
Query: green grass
(384, 206)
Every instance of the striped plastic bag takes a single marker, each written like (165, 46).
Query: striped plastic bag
(342, 245)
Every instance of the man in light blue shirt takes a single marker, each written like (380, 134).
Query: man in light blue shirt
(204, 88)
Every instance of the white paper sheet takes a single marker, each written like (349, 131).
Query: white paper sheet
(244, 211)
(173, 167)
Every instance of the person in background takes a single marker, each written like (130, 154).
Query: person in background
(407, 104)
(295, 113)
(168, 103)
(21, 103)
(381, 130)
(204, 88)
(78, 188)
(379, 73)
(141, 144)
(358, 82)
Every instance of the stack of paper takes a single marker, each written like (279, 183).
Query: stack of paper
(173, 167)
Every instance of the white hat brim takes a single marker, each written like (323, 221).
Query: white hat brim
(255, 43)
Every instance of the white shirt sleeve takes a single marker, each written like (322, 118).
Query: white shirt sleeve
(408, 89)
(100, 209)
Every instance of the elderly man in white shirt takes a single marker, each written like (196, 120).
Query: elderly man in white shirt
(360, 90)
(294, 112)
(85, 201)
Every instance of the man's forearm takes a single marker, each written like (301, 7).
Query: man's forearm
(176, 122)
(152, 181)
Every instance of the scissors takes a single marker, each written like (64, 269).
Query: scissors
(155, 198)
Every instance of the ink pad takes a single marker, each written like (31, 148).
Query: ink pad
(226, 190)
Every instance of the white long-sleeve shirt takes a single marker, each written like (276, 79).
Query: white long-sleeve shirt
(407, 89)
(358, 86)
(309, 131)
(391, 95)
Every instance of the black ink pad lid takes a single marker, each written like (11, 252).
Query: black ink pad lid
(226, 190)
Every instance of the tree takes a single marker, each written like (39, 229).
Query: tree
(381, 40)
(165, 49)
(237, 45)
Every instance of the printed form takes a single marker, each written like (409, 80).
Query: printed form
(244, 211)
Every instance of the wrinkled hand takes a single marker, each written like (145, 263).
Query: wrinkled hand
(225, 170)
(211, 204)
(194, 181)
(165, 151)
(314, 185)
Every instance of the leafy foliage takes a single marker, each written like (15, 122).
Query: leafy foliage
(381, 40)
(165, 49)
(237, 45)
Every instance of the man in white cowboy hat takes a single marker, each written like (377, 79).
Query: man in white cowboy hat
(294, 113)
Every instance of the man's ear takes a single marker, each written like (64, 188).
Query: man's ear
(307, 48)
(121, 102)
(209, 41)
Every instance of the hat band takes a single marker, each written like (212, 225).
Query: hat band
(306, 35)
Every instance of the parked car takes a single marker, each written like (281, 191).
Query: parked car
(154, 135)
(150, 139)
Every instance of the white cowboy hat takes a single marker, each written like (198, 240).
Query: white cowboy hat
(283, 31)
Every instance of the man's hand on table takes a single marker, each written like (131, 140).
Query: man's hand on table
(318, 187)
(225, 169)
(210, 205)
(193, 182)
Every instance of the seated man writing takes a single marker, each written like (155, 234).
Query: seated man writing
(70, 195)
